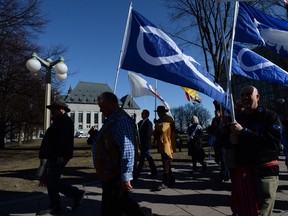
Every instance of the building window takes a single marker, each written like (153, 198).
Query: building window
(80, 117)
(72, 116)
(88, 118)
(96, 118)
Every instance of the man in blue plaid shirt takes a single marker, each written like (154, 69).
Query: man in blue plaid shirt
(113, 158)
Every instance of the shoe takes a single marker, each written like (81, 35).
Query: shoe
(161, 187)
(146, 211)
(78, 201)
(50, 211)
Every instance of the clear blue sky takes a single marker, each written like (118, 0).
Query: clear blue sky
(93, 32)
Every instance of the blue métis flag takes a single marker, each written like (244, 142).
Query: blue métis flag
(259, 28)
(149, 51)
(249, 64)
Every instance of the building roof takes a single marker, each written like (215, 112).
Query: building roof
(87, 92)
(129, 103)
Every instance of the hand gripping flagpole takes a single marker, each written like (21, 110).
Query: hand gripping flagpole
(123, 44)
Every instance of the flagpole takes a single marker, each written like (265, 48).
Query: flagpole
(228, 73)
(121, 51)
(236, 9)
(155, 106)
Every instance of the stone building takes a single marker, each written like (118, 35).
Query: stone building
(85, 112)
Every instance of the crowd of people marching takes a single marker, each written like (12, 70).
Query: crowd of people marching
(246, 149)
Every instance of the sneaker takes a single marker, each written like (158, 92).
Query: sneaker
(50, 211)
(161, 187)
(146, 211)
(78, 201)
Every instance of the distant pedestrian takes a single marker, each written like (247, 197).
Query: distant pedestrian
(145, 130)
(195, 147)
(212, 132)
(164, 136)
(179, 143)
(226, 151)
(92, 135)
(57, 147)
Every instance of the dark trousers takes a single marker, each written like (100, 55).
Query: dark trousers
(167, 178)
(224, 170)
(115, 201)
(198, 155)
(146, 154)
(56, 185)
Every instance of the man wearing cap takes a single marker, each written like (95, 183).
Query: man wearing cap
(57, 147)
(164, 136)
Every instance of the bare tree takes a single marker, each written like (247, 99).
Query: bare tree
(20, 22)
(199, 24)
(178, 114)
(183, 115)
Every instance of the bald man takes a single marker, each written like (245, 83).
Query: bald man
(256, 136)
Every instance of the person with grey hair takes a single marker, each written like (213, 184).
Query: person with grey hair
(195, 148)
(113, 158)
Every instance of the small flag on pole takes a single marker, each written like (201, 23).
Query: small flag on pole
(140, 87)
(191, 95)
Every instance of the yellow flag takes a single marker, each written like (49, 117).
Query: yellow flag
(192, 95)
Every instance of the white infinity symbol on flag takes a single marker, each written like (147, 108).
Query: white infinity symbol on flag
(157, 61)
(253, 67)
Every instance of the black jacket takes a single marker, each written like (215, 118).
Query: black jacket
(58, 140)
(145, 133)
(260, 138)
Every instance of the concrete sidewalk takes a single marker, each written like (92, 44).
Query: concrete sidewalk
(194, 194)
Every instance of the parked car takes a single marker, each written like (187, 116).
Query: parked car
(83, 135)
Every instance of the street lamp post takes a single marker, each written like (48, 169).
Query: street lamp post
(34, 65)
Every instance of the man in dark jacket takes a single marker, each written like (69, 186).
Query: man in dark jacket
(57, 147)
(256, 136)
(145, 129)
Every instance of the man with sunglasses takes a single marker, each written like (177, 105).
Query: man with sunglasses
(256, 136)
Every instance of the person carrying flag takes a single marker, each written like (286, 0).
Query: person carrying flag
(256, 136)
